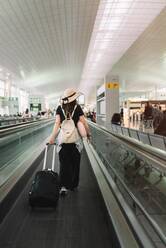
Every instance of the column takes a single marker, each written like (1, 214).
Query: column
(111, 97)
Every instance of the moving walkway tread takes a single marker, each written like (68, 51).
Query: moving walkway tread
(80, 219)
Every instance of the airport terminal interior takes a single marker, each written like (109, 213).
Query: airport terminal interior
(109, 58)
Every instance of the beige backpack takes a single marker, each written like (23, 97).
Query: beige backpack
(68, 132)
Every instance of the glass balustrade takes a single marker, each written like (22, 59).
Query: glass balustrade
(19, 146)
(136, 174)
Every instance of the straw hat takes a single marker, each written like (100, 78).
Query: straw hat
(70, 95)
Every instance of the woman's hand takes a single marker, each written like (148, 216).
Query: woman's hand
(51, 140)
(89, 137)
(83, 120)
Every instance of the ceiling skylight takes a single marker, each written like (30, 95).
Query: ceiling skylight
(118, 24)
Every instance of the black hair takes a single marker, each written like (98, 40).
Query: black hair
(116, 119)
(69, 107)
(27, 111)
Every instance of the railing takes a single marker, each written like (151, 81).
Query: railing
(141, 185)
(9, 121)
(11, 134)
(153, 140)
(6, 130)
(19, 146)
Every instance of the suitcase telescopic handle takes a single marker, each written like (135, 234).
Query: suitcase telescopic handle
(53, 156)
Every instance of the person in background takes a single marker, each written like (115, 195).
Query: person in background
(121, 113)
(26, 114)
(148, 112)
(94, 116)
(116, 119)
(148, 116)
(157, 116)
(161, 128)
(69, 153)
(122, 116)
(90, 115)
(19, 114)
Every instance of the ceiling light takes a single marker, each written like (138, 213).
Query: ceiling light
(116, 28)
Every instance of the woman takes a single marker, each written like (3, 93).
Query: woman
(69, 149)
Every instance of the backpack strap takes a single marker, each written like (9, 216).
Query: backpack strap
(73, 111)
(63, 112)
(72, 114)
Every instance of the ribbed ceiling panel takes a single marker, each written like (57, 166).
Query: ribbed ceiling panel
(47, 39)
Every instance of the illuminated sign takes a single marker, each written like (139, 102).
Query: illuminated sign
(112, 85)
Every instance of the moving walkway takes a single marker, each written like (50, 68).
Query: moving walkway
(25, 123)
(121, 192)
(14, 121)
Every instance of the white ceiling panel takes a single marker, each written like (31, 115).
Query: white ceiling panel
(53, 44)
(119, 23)
(143, 66)
(47, 40)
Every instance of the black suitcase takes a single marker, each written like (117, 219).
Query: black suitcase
(44, 191)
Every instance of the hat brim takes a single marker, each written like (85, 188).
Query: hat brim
(70, 99)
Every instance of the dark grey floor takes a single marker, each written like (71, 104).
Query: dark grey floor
(79, 221)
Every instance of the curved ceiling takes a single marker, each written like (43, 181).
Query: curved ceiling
(143, 66)
(118, 26)
(45, 42)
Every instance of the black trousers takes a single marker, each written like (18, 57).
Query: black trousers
(69, 158)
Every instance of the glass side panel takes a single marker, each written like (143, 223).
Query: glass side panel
(20, 148)
(146, 183)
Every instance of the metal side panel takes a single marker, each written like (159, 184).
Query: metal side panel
(123, 231)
